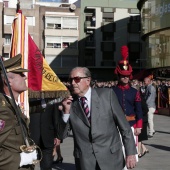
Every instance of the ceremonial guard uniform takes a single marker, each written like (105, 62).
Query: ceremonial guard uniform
(11, 136)
(128, 97)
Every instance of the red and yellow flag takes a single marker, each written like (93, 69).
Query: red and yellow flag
(41, 77)
(42, 81)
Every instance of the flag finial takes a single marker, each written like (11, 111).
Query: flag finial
(18, 5)
(18, 10)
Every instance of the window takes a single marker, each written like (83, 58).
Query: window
(31, 21)
(61, 42)
(134, 25)
(6, 4)
(89, 58)
(62, 23)
(70, 23)
(8, 19)
(53, 26)
(70, 42)
(53, 42)
(136, 18)
(7, 39)
(53, 45)
(108, 17)
(108, 55)
(53, 22)
(108, 36)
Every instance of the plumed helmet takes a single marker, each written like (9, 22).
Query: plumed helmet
(123, 67)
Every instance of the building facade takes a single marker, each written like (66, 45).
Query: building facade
(105, 27)
(86, 33)
(53, 26)
(155, 16)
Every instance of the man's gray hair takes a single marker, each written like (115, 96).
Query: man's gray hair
(85, 70)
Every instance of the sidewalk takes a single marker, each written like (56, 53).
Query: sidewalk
(158, 157)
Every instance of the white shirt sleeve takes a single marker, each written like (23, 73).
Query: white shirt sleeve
(65, 117)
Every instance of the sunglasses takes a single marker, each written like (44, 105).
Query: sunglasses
(76, 79)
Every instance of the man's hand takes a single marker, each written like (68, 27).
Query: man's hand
(66, 103)
(130, 161)
(56, 141)
(137, 131)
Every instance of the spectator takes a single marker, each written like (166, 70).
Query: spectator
(43, 125)
(93, 21)
(150, 97)
(57, 151)
(142, 150)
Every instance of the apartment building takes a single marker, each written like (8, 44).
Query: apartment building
(54, 28)
(86, 33)
(107, 25)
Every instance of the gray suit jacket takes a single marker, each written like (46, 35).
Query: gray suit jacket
(150, 96)
(100, 141)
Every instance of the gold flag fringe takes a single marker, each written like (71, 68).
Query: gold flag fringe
(48, 94)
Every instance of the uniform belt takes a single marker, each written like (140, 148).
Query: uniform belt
(130, 118)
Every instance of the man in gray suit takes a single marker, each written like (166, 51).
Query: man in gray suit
(97, 142)
(150, 96)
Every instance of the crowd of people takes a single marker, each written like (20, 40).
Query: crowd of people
(109, 120)
(160, 85)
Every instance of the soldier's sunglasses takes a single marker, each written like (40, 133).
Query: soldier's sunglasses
(76, 79)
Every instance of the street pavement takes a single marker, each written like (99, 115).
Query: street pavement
(158, 157)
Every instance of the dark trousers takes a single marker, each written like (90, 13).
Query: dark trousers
(97, 166)
(47, 160)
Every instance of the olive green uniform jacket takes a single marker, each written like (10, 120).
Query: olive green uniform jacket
(10, 136)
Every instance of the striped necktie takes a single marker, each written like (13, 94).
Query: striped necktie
(85, 107)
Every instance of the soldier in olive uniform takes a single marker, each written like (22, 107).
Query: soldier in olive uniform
(11, 138)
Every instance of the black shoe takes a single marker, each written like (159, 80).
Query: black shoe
(142, 154)
(154, 132)
(59, 160)
(147, 151)
(150, 136)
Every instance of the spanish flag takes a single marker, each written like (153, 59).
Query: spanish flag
(42, 81)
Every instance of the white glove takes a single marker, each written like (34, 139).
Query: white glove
(27, 158)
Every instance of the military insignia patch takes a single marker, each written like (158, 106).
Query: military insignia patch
(3, 103)
(2, 125)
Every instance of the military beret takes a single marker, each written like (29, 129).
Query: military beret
(14, 65)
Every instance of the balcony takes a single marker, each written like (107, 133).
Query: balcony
(63, 32)
(134, 28)
(89, 25)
